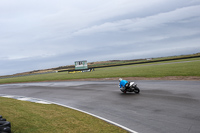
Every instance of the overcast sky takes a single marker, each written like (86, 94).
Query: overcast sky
(40, 34)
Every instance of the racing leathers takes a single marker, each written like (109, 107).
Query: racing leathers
(122, 84)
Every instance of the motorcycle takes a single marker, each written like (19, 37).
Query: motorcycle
(130, 87)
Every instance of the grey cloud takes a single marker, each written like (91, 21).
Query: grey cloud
(44, 34)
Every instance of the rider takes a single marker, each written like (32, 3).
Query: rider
(123, 84)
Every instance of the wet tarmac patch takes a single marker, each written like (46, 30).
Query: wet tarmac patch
(26, 99)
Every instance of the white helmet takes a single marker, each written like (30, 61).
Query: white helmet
(120, 79)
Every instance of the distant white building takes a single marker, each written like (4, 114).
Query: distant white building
(81, 65)
(149, 59)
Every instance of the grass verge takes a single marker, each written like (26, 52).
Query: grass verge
(28, 117)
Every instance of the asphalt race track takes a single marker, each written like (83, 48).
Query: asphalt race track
(161, 107)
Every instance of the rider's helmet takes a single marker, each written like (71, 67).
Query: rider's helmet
(120, 79)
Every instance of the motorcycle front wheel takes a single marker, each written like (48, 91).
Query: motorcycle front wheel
(136, 90)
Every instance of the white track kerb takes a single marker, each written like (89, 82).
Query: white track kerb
(36, 100)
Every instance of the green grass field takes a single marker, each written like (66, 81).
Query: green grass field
(142, 60)
(149, 70)
(27, 117)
